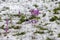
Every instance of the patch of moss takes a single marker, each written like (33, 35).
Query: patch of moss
(46, 24)
(12, 27)
(32, 17)
(41, 28)
(27, 20)
(0, 33)
(5, 8)
(2, 27)
(17, 27)
(44, 15)
(15, 15)
(0, 19)
(56, 10)
(39, 32)
(51, 34)
(22, 19)
(59, 35)
(35, 5)
(22, 33)
(58, 18)
(37, 17)
(54, 18)
(58, 22)
(49, 31)
(49, 10)
(48, 38)
(4, 14)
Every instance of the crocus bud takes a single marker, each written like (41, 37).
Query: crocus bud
(6, 29)
(34, 21)
(19, 13)
(7, 21)
(34, 12)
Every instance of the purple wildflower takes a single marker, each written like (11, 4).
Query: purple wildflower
(7, 21)
(6, 29)
(34, 12)
(19, 13)
(34, 21)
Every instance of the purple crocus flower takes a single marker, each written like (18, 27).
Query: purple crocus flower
(34, 12)
(6, 29)
(19, 13)
(7, 21)
(34, 21)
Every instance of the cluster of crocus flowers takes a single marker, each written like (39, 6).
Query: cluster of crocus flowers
(34, 12)
(6, 29)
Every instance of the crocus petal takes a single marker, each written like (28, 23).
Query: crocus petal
(34, 12)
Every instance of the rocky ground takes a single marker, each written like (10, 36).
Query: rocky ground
(29, 19)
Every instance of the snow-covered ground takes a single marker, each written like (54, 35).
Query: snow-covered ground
(18, 21)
